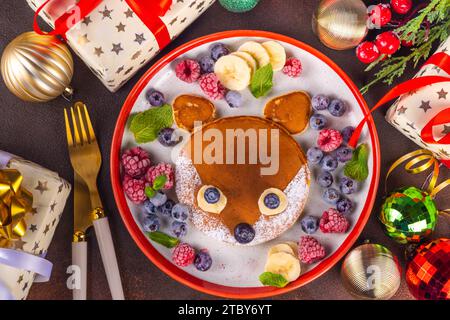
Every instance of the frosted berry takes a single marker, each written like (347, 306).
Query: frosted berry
(179, 229)
(149, 207)
(329, 140)
(309, 224)
(188, 70)
(380, 15)
(206, 64)
(158, 200)
(314, 155)
(320, 102)
(344, 206)
(159, 170)
(135, 162)
(344, 154)
(272, 201)
(180, 212)
(211, 86)
(166, 208)
(337, 108)
(367, 52)
(401, 6)
(219, 50)
(329, 163)
(293, 67)
(134, 189)
(331, 195)
(168, 137)
(183, 255)
(318, 121)
(387, 42)
(151, 223)
(244, 233)
(347, 133)
(333, 221)
(325, 179)
(310, 250)
(348, 186)
(234, 99)
(203, 260)
(155, 97)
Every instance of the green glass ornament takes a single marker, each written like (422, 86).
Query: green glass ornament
(239, 6)
(409, 215)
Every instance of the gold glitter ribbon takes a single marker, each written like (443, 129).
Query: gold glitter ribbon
(15, 203)
(426, 160)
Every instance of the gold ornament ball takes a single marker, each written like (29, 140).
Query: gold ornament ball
(341, 24)
(37, 68)
(371, 272)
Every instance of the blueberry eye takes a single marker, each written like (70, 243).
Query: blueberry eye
(212, 195)
(272, 201)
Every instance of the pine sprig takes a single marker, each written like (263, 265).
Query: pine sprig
(436, 14)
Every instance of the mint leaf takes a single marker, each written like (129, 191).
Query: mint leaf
(357, 168)
(159, 182)
(262, 81)
(163, 239)
(149, 192)
(146, 125)
(273, 279)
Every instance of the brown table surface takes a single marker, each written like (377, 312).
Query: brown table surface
(36, 132)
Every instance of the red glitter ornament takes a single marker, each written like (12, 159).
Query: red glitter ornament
(428, 274)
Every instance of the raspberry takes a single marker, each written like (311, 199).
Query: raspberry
(158, 170)
(188, 70)
(333, 221)
(183, 255)
(293, 67)
(212, 87)
(310, 250)
(134, 189)
(135, 161)
(329, 140)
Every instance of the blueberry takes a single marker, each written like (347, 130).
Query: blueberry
(320, 102)
(272, 201)
(168, 137)
(179, 229)
(329, 163)
(234, 99)
(314, 155)
(218, 50)
(347, 133)
(206, 64)
(344, 206)
(331, 195)
(318, 121)
(212, 195)
(344, 154)
(155, 97)
(166, 208)
(149, 207)
(202, 261)
(337, 108)
(151, 223)
(348, 186)
(244, 233)
(180, 212)
(158, 199)
(325, 179)
(309, 224)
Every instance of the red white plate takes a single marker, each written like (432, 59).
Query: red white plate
(235, 270)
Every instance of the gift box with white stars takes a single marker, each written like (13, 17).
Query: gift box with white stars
(50, 193)
(410, 113)
(115, 43)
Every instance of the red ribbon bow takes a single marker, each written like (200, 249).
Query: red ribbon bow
(150, 13)
(441, 60)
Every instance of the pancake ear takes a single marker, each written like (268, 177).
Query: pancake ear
(291, 111)
(189, 110)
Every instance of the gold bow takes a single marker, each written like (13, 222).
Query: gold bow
(15, 203)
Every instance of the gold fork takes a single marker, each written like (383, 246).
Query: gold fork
(86, 161)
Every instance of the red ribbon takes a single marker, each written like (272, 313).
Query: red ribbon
(441, 60)
(150, 13)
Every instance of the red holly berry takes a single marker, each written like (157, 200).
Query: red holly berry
(367, 52)
(401, 6)
(380, 15)
(183, 255)
(387, 42)
(406, 43)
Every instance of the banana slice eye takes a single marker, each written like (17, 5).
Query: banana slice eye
(211, 199)
(272, 201)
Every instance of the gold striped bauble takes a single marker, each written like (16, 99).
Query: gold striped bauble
(37, 68)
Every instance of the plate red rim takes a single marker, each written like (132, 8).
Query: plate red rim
(182, 276)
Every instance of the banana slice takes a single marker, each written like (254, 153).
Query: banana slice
(215, 207)
(282, 247)
(252, 63)
(277, 204)
(233, 72)
(276, 53)
(294, 247)
(257, 51)
(284, 264)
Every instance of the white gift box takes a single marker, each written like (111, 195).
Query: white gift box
(411, 112)
(115, 43)
(50, 193)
